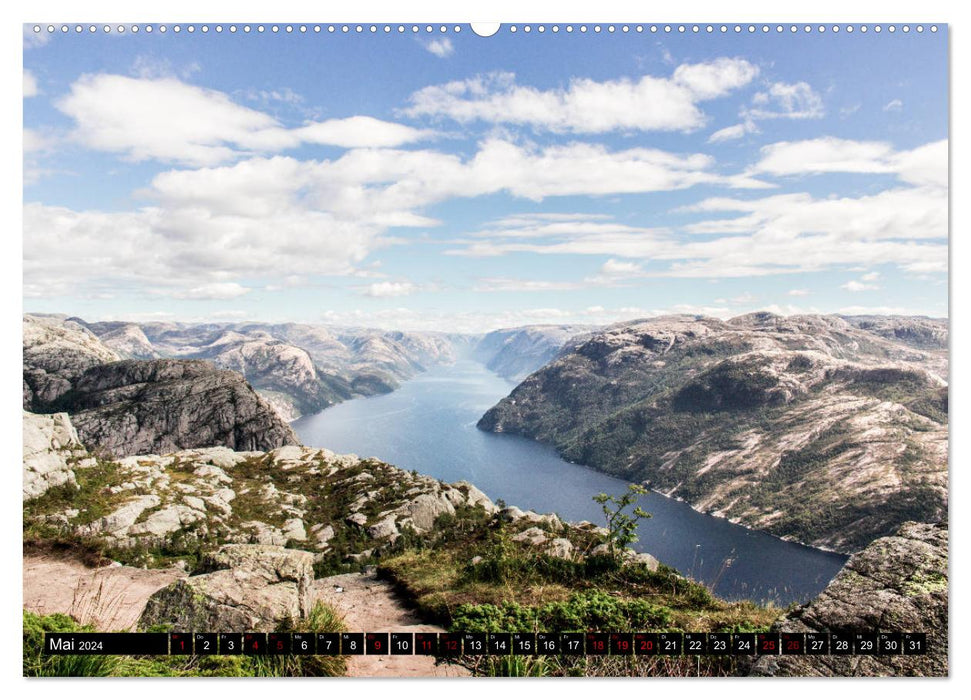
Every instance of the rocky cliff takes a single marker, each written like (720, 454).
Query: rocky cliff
(158, 406)
(126, 407)
(56, 352)
(514, 353)
(299, 368)
(812, 428)
(897, 584)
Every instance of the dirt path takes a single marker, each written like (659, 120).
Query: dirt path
(371, 605)
(111, 598)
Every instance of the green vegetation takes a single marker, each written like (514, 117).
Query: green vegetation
(621, 526)
(321, 619)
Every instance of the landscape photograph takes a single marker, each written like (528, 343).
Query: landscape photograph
(425, 350)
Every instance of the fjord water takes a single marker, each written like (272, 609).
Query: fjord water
(429, 425)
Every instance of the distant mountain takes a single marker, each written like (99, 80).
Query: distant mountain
(824, 430)
(127, 407)
(299, 368)
(514, 353)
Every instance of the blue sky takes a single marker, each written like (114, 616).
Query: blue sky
(455, 182)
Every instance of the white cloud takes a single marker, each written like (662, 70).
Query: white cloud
(440, 47)
(778, 101)
(510, 284)
(857, 286)
(34, 141)
(729, 133)
(621, 269)
(588, 106)
(385, 290)
(925, 165)
(786, 101)
(30, 84)
(870, 277)
(893, 106)
(214, 290)
(168, 120)
(782, 234)
(798, 292)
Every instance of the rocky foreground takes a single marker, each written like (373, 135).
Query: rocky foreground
(897, 584)
(825, 430)
(252, 526)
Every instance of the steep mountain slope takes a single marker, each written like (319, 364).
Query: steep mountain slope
(299, 368)
(155, 406)
(128, 407)
(56, 352)
(809, 427)
(514, 353)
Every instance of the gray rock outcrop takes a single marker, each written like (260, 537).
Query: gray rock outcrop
(896, 584)
(49, 443)
(248, 588)
(158, 406)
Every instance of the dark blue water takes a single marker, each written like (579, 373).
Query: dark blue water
(429, 425)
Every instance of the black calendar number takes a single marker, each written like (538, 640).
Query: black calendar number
(329, 643)
(695, 643)
(254, 643)
(402, 643)
(572, 643)
(500, 643)
(302, 643)
(890, 643)
(523, 644)
(719, 643)
(840, 644)
(670, 643)
(475, 643)
(548, 644)
(645, 643)
(278, 643)
(743, 643)
(205, 643)
(817, 643)
(915, 643)
(864, 643)
(793, 643)
(230, 643)
(352, 643)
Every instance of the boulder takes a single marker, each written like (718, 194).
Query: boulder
(249, 588)
(533, 536)
(117, 523)
(167, 520)
(383, 528)
(423, 510)
(561, 548)
(48, 443)
(896, 584)
(322, 534)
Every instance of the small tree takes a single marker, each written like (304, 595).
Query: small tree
(622, 526)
